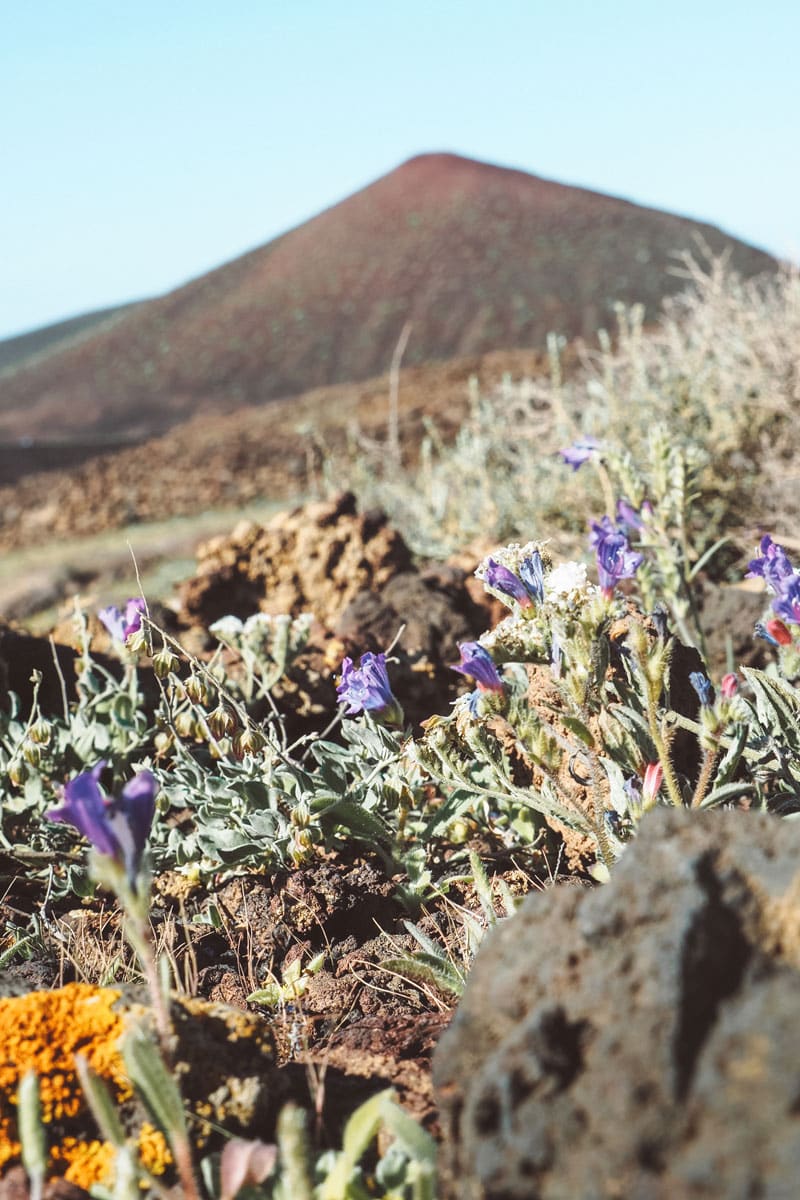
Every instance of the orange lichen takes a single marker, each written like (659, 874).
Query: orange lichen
(83, 1163)
(42, 1032)
(154, 1153)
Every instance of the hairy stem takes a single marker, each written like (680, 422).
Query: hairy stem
(704, 778)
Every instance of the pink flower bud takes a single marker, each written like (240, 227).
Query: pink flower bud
(729, 685)
(653, 777)
(776, 629)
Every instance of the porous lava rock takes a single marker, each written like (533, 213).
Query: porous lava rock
(355, 574)
(315, 558)
(638, 1040)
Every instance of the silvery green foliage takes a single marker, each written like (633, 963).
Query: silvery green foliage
(234, 795)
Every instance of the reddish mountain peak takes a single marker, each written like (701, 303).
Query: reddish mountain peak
(477, 257)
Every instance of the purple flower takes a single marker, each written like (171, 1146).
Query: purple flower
(772, 565)
(505, 581)
(629, 520)
(367, 688)
(117, 827)
(702, 685)
(478, 663)
(531, 572)
(786, 604)
(527, 588)
(121, 625)
(615, 559)
(579, 452)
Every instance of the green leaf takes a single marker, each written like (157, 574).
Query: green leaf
(156, 1083)
(728, 791)
(579, 729)
(416, 1141)
(432, 969)
(359, 1132)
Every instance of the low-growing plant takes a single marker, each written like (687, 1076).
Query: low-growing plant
(719, 371)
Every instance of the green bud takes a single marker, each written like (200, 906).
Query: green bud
(185, 723)
(138, 642)
(299, 815)
(40, 731)
(17, 772)
(197, 690)
(32, 753)
(221, 721)
(460, 831)
(249, 741)
(165, 662)
(221, 748)
(163, 742)
(302, 845)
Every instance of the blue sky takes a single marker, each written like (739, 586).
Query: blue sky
(144, 144)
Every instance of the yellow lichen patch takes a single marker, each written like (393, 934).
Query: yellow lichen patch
(83, 1163)
(154, 1153)
(42, 1032)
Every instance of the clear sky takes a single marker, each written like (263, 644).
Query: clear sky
(144, 143)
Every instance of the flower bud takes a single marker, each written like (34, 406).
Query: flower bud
(302, 844)
(299, 816)
(17, 772)
(197, 690)
(184, 724)
(138, 642)
(778, 631)
(221, 721)
(165, 662)
(40, 731)
(32, 753)
(653, 777)
(163, 742)
(729, 685)
(249, 741)
(460, 831)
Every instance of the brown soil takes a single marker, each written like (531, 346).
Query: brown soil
(272, 452)
(354, 1018)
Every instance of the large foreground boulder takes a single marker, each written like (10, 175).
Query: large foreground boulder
(639, 1040)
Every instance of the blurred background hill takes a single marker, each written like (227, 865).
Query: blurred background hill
(476, 257)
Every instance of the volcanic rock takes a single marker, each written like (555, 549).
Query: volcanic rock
(355, 574)
(638, 1040)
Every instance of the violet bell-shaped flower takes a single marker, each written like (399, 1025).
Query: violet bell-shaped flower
(366, 688)
(772, 565)
(579, 452)
(477, 662)
(786, 604)
(117, 827)
(531, 572)
(615, 558)
(122, 624)
(527, 587)
(629, 520)
(499, 577)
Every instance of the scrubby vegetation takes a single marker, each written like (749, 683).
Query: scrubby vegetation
(592, 702)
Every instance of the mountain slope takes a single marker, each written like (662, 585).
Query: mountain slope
(476, 257)
(23, 347)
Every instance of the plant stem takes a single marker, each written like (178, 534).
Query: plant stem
(138, 933)
(704, 778)
(662, 750)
